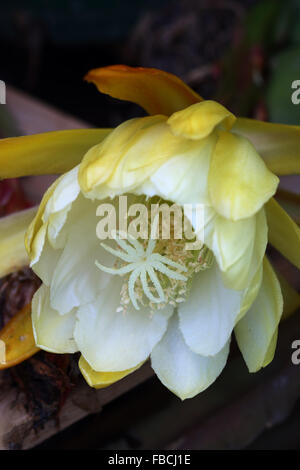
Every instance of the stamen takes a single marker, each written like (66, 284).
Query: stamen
(138, 260)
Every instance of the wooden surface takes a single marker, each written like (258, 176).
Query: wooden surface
(32, 116)
(231, 414)
(17, 426)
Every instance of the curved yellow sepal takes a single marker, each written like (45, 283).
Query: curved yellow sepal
(156, 91)
(16, 339)
(48, 153)
(121, 162)
(251, 293)
(13, 254)
(102, 379)
(200, 119)
(284, 233)
(256, 332)
(277, 144)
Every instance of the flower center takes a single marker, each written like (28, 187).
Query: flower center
(157, 271)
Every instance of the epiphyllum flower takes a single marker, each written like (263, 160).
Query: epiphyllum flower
(123, 302)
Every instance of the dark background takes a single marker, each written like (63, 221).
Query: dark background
(245, 54)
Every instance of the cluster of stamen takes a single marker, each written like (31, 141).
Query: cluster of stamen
(156, 271)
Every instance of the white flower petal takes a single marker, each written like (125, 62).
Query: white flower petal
(52, 332)
(208, 316)
(38, 245)
(183, 178)
(57, 233)
(66, 191)
(76, 279)
(238, 246)
(52, 234)
(49, 242)
(182, 371)
(47, 262)
(114, 341)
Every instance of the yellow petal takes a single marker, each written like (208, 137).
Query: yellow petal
(17, 336)
(239, 248)
(251, 293)
(12, 247)
(131, 143)
(284, 234)
(102, 379)
(271, 349)
(156, 91)
(130, 155)
(199, 120)
(239, 182)
(48, 153)
(278, 144)
(256, 332)
(52, 331)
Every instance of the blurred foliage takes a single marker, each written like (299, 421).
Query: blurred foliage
(267, 21)
(243, 53)
(295, 31)
(286, 69)
(257, 74)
